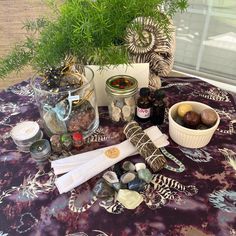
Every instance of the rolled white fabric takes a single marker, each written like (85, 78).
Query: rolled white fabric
(86, 171)
(76, 159)
(67, 164)
(94, 162)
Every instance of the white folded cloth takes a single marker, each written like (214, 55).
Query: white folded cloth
(67, 164)
(83, 167)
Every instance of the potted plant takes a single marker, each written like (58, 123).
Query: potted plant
(93, 31)
(84, 32)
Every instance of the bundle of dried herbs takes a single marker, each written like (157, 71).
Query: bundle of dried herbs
(145, 146)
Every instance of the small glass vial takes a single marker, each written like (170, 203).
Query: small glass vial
(56, 143)
(66, 141)
(143, 105)
(158, 108)
(78, 140)
(121, 90)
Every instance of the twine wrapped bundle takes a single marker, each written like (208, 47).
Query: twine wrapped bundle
(145, 146)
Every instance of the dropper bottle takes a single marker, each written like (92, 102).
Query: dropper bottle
(158, 108)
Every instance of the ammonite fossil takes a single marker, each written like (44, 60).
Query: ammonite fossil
(147, 43)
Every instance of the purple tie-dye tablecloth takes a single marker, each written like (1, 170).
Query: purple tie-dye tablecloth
(198, 201)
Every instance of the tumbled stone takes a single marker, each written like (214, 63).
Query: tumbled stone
(102, 189)
(118, 170)
(116, 114)
(137, 185)
(129, 199)
(118, 186)
(128, 166)
(119, 103)
(179, 121)
(127, 177)
(110, 177)
(201, 127)
(112, 104)
(145, 175)
(126, 111)
(130, 101)
(140, 166)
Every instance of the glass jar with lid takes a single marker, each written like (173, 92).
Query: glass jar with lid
(121, 91)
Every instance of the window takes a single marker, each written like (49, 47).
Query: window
(206, 39)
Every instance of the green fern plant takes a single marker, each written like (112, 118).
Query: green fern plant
(93, 31)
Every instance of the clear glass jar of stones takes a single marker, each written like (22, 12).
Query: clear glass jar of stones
(121, 91)
(67, 107)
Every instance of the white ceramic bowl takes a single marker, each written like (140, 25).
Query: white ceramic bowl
(190, 138)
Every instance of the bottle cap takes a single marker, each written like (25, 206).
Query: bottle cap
(77, 137)
(66, 141)
(159, 94)
(144, 92)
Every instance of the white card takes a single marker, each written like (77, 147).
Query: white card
(140, 71)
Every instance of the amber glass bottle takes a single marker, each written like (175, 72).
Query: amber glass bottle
(158, 108)
(143, 111)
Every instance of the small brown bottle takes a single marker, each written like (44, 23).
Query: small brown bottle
(158, 108)
(143, 111)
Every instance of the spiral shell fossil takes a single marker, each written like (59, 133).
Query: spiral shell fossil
(147, 43)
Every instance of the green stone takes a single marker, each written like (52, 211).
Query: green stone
(129, 199)
(145, 175)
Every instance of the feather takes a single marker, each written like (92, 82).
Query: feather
(232, 162)
(230, 157)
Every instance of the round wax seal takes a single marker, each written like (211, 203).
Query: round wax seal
(112, 153)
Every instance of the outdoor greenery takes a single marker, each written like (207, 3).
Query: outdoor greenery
(91, 30)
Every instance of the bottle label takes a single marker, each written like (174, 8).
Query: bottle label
(143, 113)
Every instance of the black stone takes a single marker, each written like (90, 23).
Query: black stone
(118, 169)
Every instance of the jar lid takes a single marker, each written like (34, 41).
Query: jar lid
(122, 85)
(40, 149)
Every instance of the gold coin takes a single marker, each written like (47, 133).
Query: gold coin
(112, 152)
